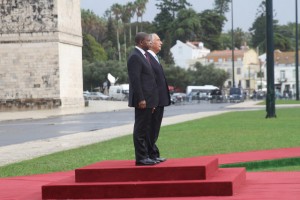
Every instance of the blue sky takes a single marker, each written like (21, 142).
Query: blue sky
(244, 10)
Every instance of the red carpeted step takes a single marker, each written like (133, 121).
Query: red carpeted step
(225, 182)
(172, 169)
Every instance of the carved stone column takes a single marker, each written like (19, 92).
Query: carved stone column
(40, 54)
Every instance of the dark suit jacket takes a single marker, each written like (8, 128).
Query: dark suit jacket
(142, 82)
(163, 89)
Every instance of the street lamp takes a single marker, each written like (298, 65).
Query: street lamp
(270, 103)
(297, 55)
(232, 44)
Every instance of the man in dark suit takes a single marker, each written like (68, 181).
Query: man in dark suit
(164, 98)
(143, 96)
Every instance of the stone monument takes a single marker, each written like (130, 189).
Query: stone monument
(40, 54)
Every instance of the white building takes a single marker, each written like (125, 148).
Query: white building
(246, 66)
(187, 54)
(284, 72)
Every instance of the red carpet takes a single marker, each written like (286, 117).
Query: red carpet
(174, 169)
(184, 177)
(260, 185)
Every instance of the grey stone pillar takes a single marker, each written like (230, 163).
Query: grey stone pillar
(40, 54)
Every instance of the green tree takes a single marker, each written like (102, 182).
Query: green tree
(117, 12)
(225, 40)
(282, 43)
(162, 22)
(258, 30)
(111, 43)
(126, 15)
(289, 35)
(92, 50)
(93, 25)
(208, 75)
(94, 74)
(130, 9)
(221, 6)
(240, 39)
(172, 6)
(165, 52)
(211, 23)
(140, 6)
(165, 28)
(187, 25)
(177, 77)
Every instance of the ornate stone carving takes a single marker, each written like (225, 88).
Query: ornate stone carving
(27, 16)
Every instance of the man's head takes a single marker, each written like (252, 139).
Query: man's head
(155, 43)
(142, 40)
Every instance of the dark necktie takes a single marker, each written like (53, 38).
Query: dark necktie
(147, 57)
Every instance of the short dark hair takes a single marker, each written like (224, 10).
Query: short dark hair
(140, 37)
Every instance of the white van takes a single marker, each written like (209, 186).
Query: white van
(119, 92)
(200, 92)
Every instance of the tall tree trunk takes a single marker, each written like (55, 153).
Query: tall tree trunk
(130, 39)
(118, 41)
(125, 42)
(141, 22)
(136, 26)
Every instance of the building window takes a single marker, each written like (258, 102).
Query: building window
(238, 71)
(260, 74)
(247, 83)
(229, 73)
(220, 60)
(282, 75)
(239, 60)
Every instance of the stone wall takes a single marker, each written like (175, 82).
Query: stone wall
(41, 54)
(28, 16)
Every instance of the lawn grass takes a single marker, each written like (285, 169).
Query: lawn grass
(238, 131)
(281, 102)
(286, 164)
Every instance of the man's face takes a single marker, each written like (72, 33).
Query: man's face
(146, 43)
(156, 44)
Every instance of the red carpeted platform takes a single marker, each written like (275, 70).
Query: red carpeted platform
(224, 183)
(259, 185)
(173, 178)
(173, 169)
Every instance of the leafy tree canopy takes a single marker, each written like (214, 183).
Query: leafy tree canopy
(221, 6)
(92, 50)
(172, 6)
(208, 75)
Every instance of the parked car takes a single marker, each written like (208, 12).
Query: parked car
(178, 97)
(236, 95)
(216, 96)
(97, 96)
(198, 95)
(258, 95)
(86, 95)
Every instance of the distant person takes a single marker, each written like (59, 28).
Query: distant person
(143, 96)
(254, 94)
(163, 100)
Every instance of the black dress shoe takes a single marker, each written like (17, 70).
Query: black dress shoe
(160, 159)
(146, 161)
